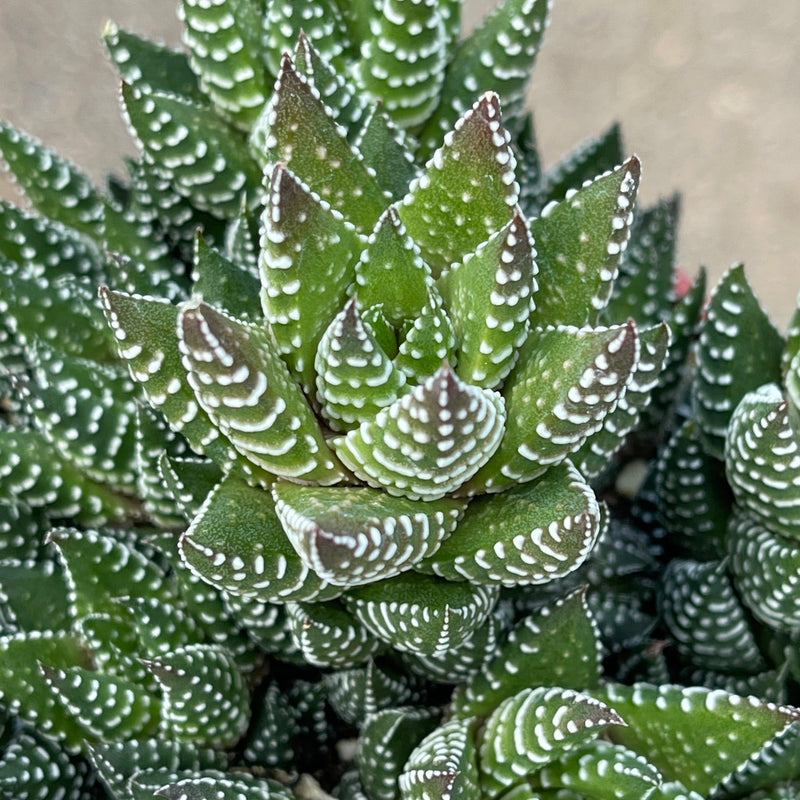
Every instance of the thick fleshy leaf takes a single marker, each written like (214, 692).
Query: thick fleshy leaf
(706, 619)
(420, 613)
(100, 568)
(241, 383)
(329, 637)
(188, 481)
(598, 450)
(498, 55)
(531, 534)
(355, 535)
(557, 645)
(403, 59)
(231, 786)
(579, 242)
(603, 771)
(224, 284)
(204, 158)
(488, 297)
(308, 252)
(386, 742)
(765, 566)
(46, 247)
(268, 740)
(295, 128)
(223, 38)
(444, 764)
(149, 66)
(695, 735)
(588, 160)
(205, 697)
(428, 442)
(694, 498)
(237, 543)
(23, 688)
(564, 384)
(104, 706)
(320, 20)
(145, 330)
(34, 594)
(536, 727)
(739, 350)
(355, 376)
(36, 768)
(467, 191)
(762, 459)
(55, 186)
(357, 694)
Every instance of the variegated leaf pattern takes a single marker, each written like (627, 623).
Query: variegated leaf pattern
(419, 614)
(762, 459)
(351, 536)
(531, 534)
(468, 190)
(429, 441)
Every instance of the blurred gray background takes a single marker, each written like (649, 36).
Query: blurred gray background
(708, 95)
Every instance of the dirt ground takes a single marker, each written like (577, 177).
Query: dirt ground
(707, 94)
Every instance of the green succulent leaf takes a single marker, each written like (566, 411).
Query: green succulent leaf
(24, 690)
(104, 706)
(240, 381)
(419, 613)
(203, 157)
(36, 767)
(706, 619)
(444, 764)
(55, 186)
(224, 39)
(205, 699)
(403, 59)
(359, 693)
(45, 247)
(237, 543)
(580, 241)
(693, 734)
(557, 645)
(429, 441)
(467, 191)
(297, 129)
(694, 498)
(564, 384)
(34, 591)
(145, 330)
(598, 450)
(149, 66)
(328, 636)
(224, 284)
(488, 297)
(308, 252)
(386, 151)
(189, 481)
(536, 727)
(762, 459)
(534, 533)
(602, 771)
(588, 160)
(268, 740)
(729, 363)
(765, 567)
(498, 55)
(224, 787)
(386, 742)
(322, 21)
(356, 535)
(355, 376)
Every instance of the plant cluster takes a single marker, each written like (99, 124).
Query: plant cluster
(320, 436)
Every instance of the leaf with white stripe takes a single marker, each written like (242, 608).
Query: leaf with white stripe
(355, 535)
(429, 441)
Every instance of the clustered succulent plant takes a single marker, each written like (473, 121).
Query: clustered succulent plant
(346, 450)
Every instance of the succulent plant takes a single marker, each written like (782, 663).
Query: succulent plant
(319, 431)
